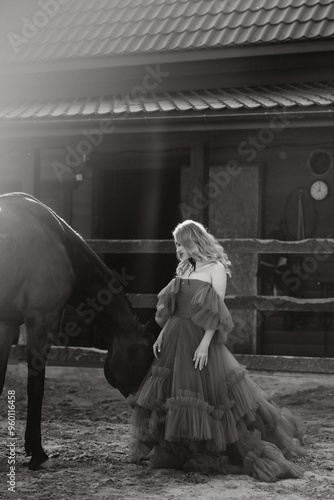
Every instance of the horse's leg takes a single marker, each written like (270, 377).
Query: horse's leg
(38, 348)
(7, 336)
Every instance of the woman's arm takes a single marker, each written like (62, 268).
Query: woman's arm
(158, 344)
(218, 278)
(202, 352)
(218, 281)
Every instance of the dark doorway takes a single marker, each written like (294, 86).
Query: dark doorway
(140, 203)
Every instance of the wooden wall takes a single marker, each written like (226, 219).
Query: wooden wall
(248, 206)
(285, 173)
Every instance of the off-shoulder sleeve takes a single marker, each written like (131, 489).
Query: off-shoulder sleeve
(212, 313)
(166, 302)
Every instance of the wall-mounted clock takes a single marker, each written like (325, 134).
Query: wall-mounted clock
(319, 190)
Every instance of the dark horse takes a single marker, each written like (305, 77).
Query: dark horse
(44, 267)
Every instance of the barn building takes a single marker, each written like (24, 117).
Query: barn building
(128, 116)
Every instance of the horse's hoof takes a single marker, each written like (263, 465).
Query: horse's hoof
(46, 465)
(35, 464)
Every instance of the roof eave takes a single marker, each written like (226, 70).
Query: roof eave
(144, 123)
(179, 56)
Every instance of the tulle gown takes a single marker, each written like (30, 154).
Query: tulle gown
(211, 420)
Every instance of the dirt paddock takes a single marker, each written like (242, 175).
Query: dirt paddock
(86, 430)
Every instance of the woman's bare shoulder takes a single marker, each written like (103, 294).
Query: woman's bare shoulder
(217, 267)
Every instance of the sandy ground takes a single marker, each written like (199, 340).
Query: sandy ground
(86, 430)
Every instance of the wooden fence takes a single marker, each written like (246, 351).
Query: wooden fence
(316, 247)
(251, 302)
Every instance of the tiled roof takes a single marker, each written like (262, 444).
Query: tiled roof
(85, 28)
(209, 101)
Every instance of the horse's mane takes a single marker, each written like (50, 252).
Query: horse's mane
(73, 242)
(73, 237)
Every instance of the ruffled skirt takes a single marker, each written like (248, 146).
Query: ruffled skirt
(211, 420)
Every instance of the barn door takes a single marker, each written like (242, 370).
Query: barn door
(235, 208)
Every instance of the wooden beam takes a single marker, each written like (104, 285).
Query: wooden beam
(64, 356)
(279, 303)
(193, 182)
(299, 364)
(90, 357)
(132, 246)
(31, 173)
(316, 246)
(251, 302)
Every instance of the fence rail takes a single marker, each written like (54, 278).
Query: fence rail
(240, 245)
(95, 358)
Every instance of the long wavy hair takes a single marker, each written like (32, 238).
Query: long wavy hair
(200, 245)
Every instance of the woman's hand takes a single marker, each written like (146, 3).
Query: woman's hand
(158, 344)
(201, 356)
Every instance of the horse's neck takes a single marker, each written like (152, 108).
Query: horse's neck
(99, 295)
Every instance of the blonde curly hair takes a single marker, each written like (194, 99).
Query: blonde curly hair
(199, 244)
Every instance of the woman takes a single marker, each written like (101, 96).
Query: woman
(197, 408)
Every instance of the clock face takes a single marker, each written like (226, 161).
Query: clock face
(319, 190)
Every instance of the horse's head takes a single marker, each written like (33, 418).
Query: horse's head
(130, 357)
